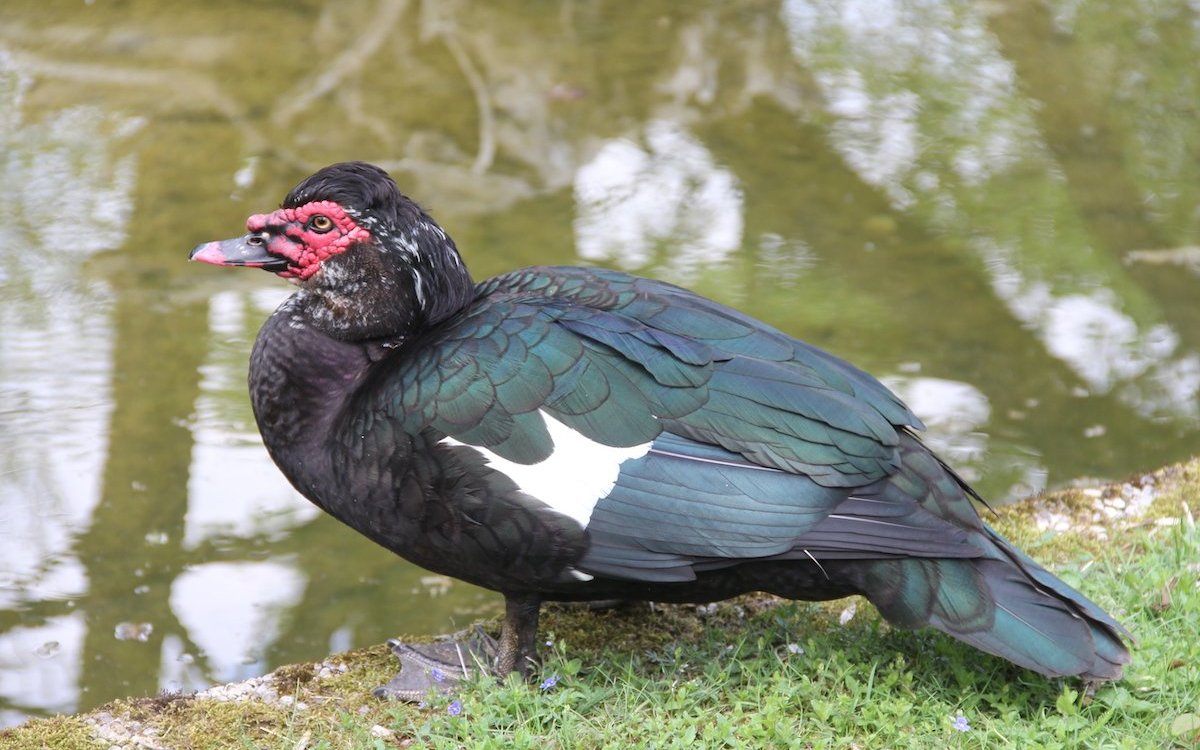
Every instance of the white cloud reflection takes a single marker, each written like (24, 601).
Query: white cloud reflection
(957, 416)
(231, 611)
(910, 84)
(1105, 346)
(954, 412)
(665, 204)
(40, 666)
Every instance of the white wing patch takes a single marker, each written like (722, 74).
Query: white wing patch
(578, 474)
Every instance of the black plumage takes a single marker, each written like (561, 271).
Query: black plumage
(415, 406)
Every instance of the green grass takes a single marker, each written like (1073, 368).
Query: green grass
(863, 685)
(757, 672)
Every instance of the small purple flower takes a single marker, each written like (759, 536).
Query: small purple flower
(549, 682)
(961, 723)
(437, 675)
(455, 708)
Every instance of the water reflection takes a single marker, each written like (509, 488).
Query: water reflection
(637, 207)
(1103, 344)
(55, 377)
(945, 193)
(233, 489)
(954, 414)
(921, 102)
(31, 682)
(233, 633)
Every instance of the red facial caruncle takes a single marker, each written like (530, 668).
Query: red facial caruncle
(307, 235)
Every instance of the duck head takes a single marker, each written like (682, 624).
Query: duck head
(370, 263)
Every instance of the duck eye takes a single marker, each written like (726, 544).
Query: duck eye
(320, 223)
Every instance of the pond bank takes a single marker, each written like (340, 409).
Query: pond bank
(756, 671)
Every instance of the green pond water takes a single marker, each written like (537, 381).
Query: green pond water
(994, 207)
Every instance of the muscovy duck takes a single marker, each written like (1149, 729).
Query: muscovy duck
(565, 433)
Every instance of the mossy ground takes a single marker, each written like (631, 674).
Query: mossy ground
(757, 672)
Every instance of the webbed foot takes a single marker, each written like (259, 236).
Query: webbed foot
(438, 666)
(441, 665)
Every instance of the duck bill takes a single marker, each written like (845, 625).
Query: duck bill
(248, 250)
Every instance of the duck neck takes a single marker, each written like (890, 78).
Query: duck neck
(300, 380)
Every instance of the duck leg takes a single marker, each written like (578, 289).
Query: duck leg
(517, 651)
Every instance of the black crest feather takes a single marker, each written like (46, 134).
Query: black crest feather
(361, 187)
